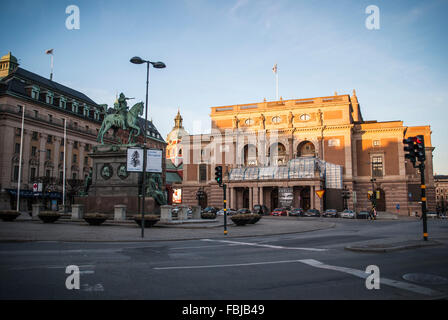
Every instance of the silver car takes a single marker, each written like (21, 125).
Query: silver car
(350, 214)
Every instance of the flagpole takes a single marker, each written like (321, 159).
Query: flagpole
(276, 85)
(65, 155)
(51, 66)
(20, 159)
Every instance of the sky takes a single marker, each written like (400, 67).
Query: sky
(221, 52)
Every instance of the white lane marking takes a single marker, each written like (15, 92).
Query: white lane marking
(265, 245)
(198, 247)
(226, 265)
(363, 275)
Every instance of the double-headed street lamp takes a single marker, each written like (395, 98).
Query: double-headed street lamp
(158, 65)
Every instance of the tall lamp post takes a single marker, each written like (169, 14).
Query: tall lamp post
(158, 65)
(373, 192)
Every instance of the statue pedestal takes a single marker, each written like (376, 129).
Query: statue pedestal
(112, 185)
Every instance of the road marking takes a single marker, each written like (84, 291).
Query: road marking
(364, 275)
(265, 245)
(198, 247)
(225, 265)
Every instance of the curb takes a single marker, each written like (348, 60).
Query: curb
(366, 248)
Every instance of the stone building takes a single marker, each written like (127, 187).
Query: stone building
(441, 185)
(280, 153)
(46, 104)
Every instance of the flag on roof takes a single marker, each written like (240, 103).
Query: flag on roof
(50, 51)
(274, 69)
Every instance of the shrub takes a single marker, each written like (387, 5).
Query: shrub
(254, 218)
(241, 219)
(8, 215)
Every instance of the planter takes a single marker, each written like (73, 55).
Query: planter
(208, 215)
(49, 216)
(241, 219)
(95, 219)
(150, 220)
(254, 218)
(9, 215)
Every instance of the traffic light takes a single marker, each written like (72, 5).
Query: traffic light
(420, 148)
(410, 147)
(218, 174)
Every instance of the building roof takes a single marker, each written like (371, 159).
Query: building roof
(19, 86)
(172, 177)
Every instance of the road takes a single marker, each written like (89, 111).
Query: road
(310, 265)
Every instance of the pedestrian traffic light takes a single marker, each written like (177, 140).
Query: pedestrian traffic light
(218, 174)
(420, 148)
(410, 148)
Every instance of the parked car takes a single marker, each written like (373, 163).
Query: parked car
(297, 212)
(229, 212)
(362, 215)
(243, 211)
(331, 213)
(432, 215)
(210, 209)
(261, 209)
(279, 212)
(312, 213)
(350, 214)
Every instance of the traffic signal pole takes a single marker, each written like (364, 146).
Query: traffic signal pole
(224, 187)
(423, 189)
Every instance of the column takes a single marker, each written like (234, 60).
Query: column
(228, 197)
(26, 156)
(57, 150)
(233, 196)
(313, 197)
(260, 192)
(68, 159)
(251, 195)
(256, 196)
(42, 154)
(81, 160)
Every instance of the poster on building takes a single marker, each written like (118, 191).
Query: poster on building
(177, 195)
(154, 160)
(285, 197)
(134, 160)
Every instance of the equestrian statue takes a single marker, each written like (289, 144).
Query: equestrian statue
(122, 118)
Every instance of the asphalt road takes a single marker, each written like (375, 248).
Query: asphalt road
(311, 265)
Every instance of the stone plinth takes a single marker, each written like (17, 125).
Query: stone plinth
(37, 208)
(165, 214)
(120, 212)
(182, 213)
(77, 211)
(112, 185)
(196, 212)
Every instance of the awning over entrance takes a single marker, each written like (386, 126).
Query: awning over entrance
(299, 168)
(31, 194)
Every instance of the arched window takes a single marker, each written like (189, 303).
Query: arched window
(276, 119)
(306, 149)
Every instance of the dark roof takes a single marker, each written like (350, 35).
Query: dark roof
(153, 132)
(19, 87)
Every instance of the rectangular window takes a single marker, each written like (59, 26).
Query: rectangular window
(377, 166)
(18, 132)
(20, 108)
(48, 154)
(16, 174)
(61, 156)
(33, 151)
(34, 136)
(49, 138)
(75, 145)
(61, 175)
(376, 143)
(32, 174)
(75, 158)
(17, 148)
(47, 173)
(36, 114)
(86, 160)
(50, 118)
(74, 175)
(202, 172)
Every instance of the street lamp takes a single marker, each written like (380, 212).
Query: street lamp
(373, 192)
(158, 65)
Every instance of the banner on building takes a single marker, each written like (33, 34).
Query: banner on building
(154, 160)
(177, 195)
(134, 160)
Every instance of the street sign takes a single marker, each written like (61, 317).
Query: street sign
(320, 193)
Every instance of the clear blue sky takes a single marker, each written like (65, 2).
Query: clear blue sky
(222, 52)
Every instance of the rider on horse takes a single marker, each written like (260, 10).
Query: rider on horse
(121, 107)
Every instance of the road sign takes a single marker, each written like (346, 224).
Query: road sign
(320, 193)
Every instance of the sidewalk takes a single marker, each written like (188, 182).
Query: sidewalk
(66, 230)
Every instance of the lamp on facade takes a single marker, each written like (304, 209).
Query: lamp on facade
(157, 65)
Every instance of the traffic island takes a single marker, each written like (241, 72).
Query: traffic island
(391, 246)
